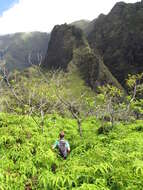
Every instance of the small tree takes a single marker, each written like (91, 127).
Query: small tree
(135, 88)
(26, 95)
(118, 105)
(78, 107)
(108, 103)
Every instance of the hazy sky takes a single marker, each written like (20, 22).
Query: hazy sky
(42, 15)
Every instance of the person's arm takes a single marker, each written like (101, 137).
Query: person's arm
(68, 146)
(55, 145)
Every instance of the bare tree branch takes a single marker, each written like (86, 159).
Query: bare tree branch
(5, 78)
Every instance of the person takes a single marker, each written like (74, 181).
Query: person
(62, 145)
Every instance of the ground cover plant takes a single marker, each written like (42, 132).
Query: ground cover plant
(104, 129)
(108, 161)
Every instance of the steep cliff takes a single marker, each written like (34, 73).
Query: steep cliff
(68, 45)
(119, 39)
(64, 39)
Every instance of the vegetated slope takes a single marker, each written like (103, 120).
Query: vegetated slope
(15, 49)
(119, 39)
(82, 24)
(37, 91)
(67, 46)
(106, 161)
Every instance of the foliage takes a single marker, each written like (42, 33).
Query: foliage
(37, 92)
(113, 161)
(135, 88)
(114, 104)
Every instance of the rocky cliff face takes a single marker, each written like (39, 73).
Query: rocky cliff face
(64, 39)
(119, 39)
(68, 45)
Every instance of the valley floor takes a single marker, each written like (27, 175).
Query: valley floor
(110, 161)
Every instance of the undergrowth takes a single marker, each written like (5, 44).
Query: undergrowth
(110, 161)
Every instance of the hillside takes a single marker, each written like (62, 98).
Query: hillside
(15, 49)
(118, 37)
(68, 45)
(111, 161)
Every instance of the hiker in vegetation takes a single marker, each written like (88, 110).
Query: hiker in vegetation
(62, 145)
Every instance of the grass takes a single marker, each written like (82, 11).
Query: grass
(110, 162)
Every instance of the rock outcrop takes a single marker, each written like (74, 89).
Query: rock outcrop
(64, 39)
(119, 39)
(69, 45)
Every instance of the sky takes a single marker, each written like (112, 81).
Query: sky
(6, 4)
(42, 15)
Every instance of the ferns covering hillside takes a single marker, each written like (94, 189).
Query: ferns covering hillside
(108, 161)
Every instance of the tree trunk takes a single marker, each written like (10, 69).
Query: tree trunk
(42, 121)
(79, 127)
(112, 120)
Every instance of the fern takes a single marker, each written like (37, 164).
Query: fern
(100, 162)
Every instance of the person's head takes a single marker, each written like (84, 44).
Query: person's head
(61, 135)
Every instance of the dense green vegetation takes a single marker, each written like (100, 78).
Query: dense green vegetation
(38, 91)
(104, 129)
(113, 160)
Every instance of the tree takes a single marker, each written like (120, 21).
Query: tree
(135, 88)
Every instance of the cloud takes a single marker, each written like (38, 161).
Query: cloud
(42, 15)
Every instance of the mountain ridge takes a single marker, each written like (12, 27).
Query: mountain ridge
(68, 44)
(118, 38)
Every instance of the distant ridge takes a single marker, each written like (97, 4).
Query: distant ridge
(16, 48)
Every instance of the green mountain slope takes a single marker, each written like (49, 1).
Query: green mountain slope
(68, 45)
(15, 49)
(118, 37)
